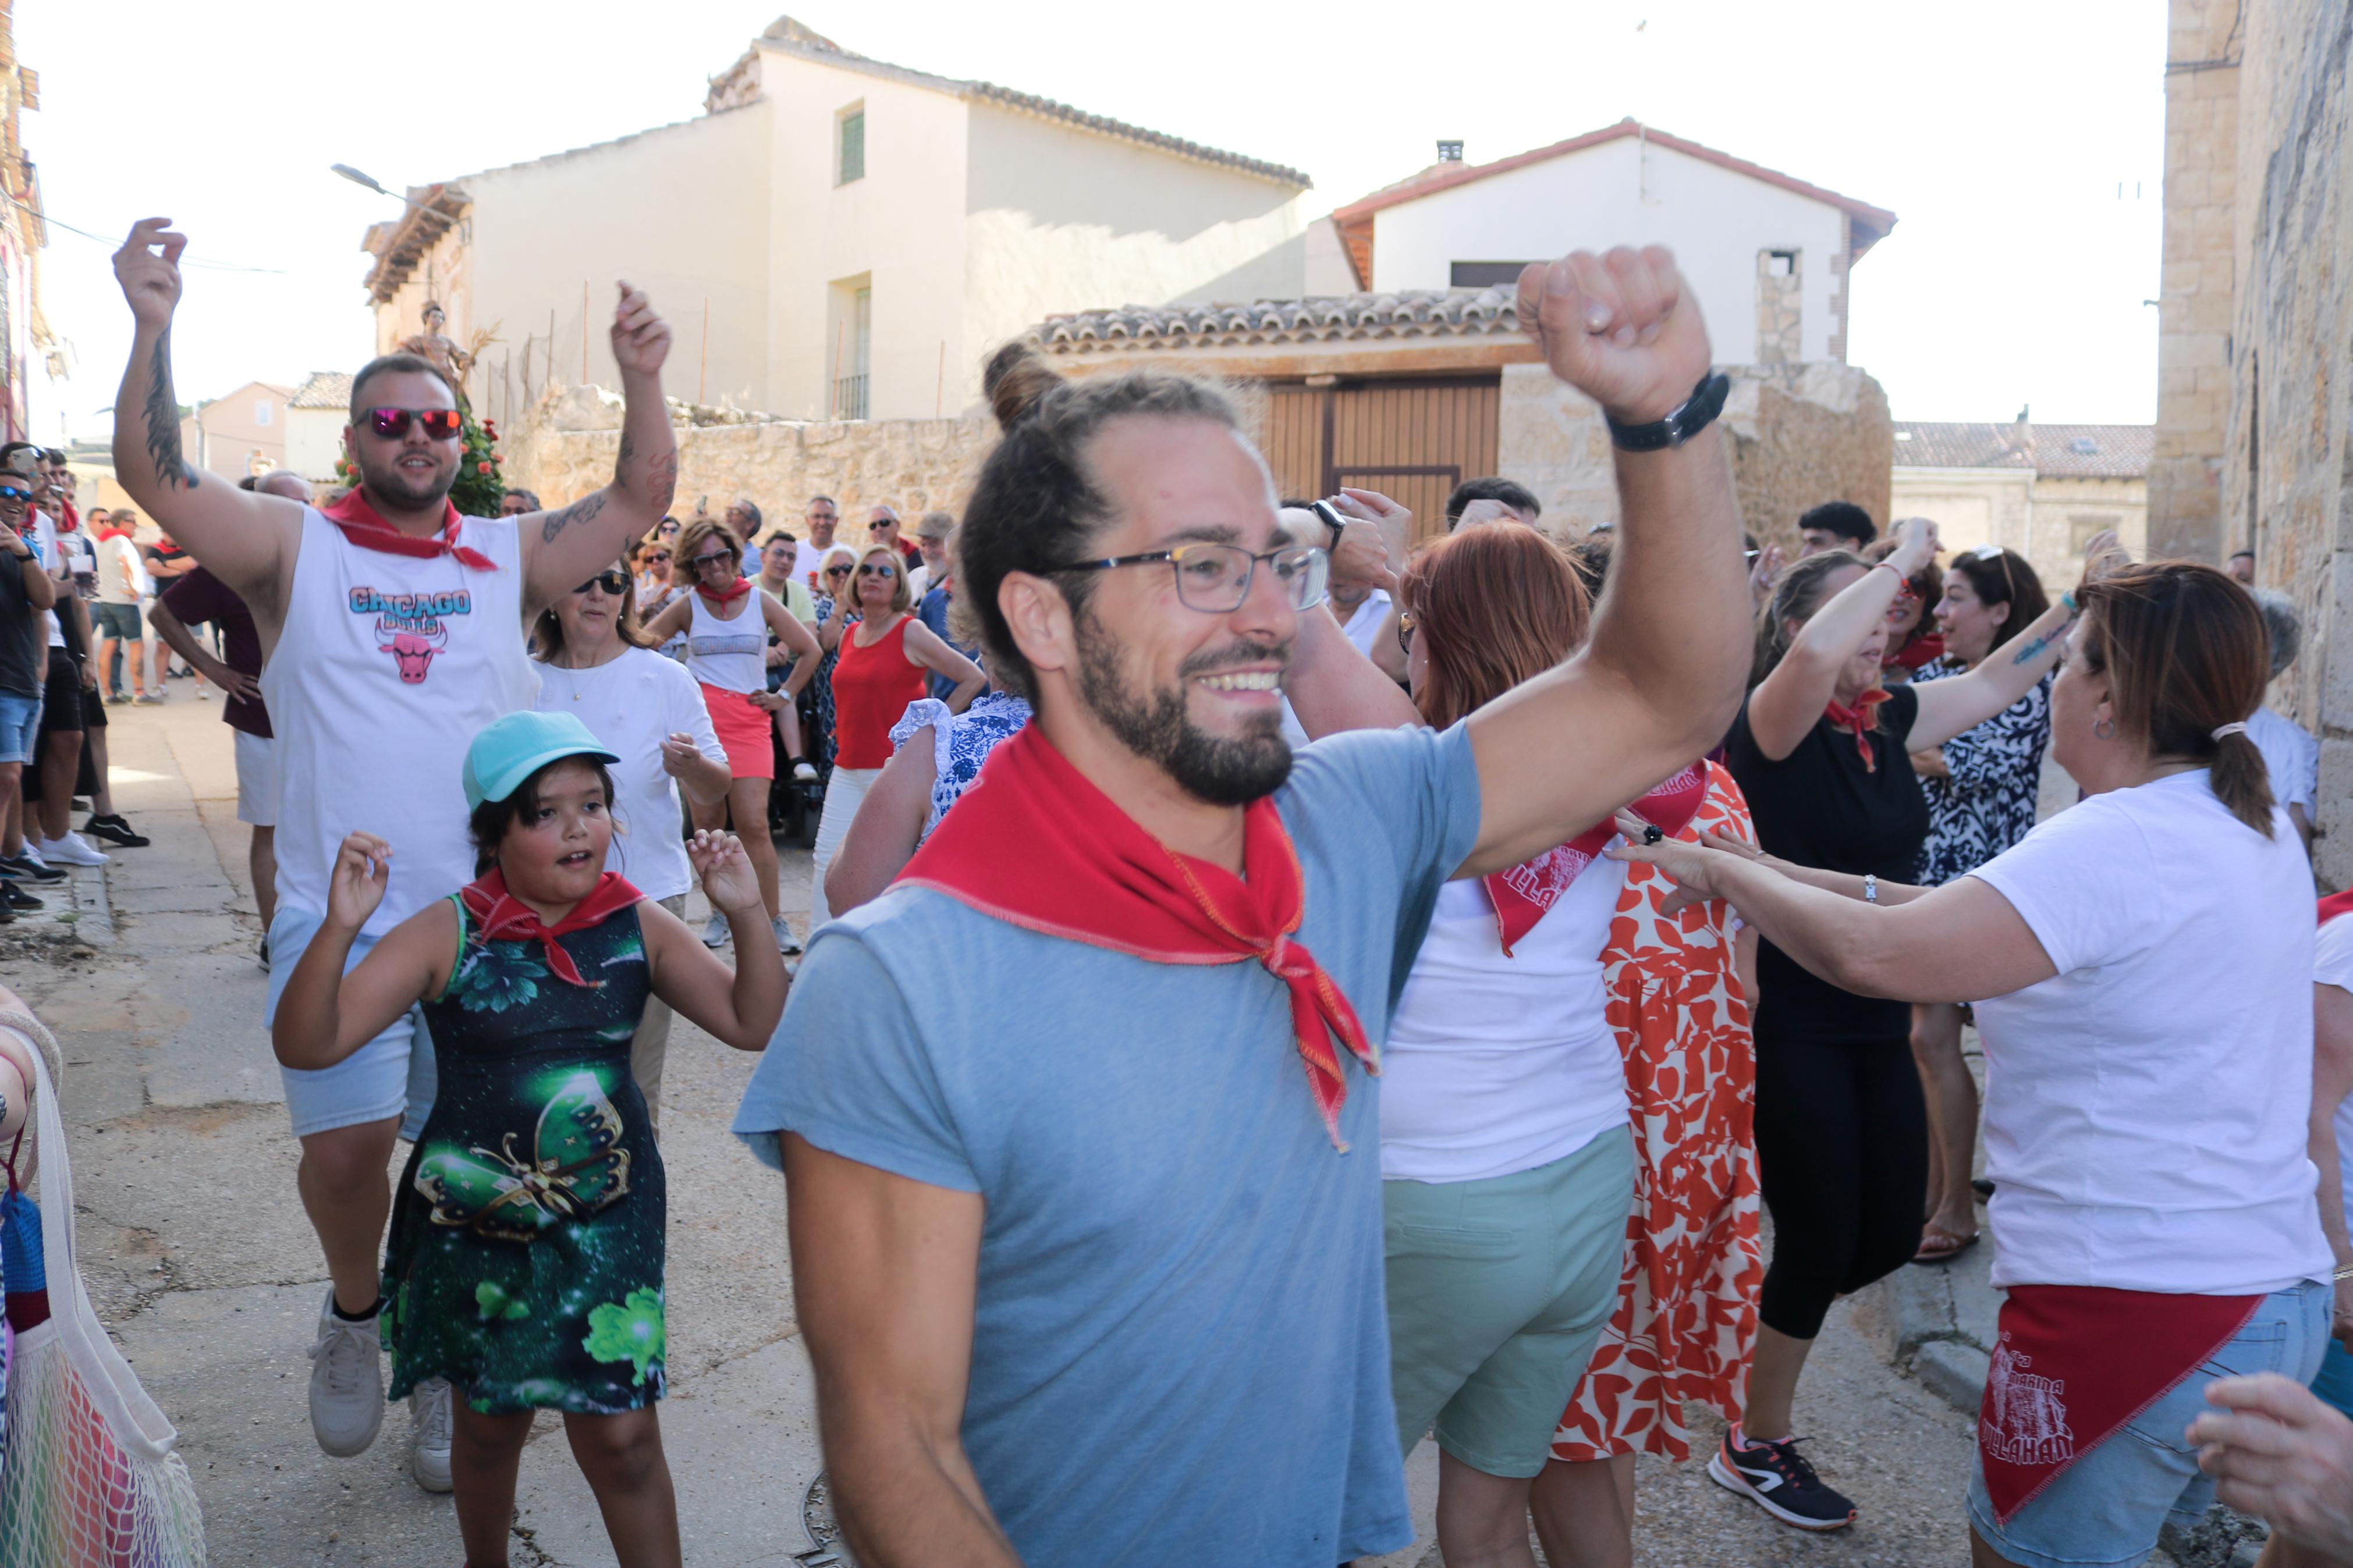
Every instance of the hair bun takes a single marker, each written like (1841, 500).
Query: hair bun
(1016, 380)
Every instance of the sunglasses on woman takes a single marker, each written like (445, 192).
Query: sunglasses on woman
(392, 423)
(613, 583)
(718, 558)
(871, 570)
(837, 571)
(657, 555)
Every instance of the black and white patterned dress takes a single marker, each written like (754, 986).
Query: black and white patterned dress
(1988, 804)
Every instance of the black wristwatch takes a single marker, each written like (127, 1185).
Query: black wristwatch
(1705, 402)
(1329, 516)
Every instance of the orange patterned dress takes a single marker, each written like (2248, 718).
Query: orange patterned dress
(1686, 1318)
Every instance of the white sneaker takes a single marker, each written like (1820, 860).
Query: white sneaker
(429, 1419)
(346, 1383)
(714, 931)
(32, 849)
(785, 943)
(73, 849)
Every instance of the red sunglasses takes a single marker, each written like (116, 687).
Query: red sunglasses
(392, 423)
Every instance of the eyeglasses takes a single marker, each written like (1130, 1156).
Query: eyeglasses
(718, 558)
(613, 583)
(870, 570)
(1405, 631)
(12, 492)
(837, 571)
(657, 555)
(392, 423)
(1216, 578)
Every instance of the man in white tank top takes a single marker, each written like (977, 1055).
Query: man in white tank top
(403, 628)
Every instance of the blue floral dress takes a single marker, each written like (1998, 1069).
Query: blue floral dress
(1988, 804)
(960, 742)
(525, 1260)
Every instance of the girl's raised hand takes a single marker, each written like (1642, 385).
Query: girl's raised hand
(355, 889)
(726, 872)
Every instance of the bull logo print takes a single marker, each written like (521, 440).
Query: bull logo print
(2023, 1420)
(411, 648)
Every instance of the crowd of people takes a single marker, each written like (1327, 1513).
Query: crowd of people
(1271, 994)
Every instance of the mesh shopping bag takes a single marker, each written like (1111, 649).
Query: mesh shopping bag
(89, 1479)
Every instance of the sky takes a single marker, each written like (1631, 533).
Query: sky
(2020, 144)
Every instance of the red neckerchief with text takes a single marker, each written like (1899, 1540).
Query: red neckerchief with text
(1860, 720)
(500, 916)
(2075, 1363)
(363, 526)
(1525, 893)
(1034, 844)
(726, 595)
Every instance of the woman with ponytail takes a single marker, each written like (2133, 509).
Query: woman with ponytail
(2149, 1041)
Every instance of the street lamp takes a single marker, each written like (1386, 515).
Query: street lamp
(367, 182)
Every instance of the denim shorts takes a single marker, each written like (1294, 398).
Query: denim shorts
(2105, 1511)
(20, 726)
(1498, 1290)
(391, 1075)
(118, 621)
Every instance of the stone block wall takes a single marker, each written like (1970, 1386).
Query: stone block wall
(1801, 435)
(1780, 309)
(565, 448)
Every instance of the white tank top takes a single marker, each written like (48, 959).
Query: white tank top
(730, 655)
(387, 668)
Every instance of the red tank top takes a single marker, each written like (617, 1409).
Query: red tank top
(871, 689)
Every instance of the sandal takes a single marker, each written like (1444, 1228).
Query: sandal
(1938, 1245)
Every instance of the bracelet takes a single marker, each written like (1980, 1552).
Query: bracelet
(2345, 1273)
(1870, 888)
(1892, 567)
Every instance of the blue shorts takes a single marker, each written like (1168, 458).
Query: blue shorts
(391, 1075)
(118, 622)
(2335, 1382)
(20, 727)
(2105, 1509)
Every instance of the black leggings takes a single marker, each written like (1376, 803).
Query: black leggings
(1842, 1156)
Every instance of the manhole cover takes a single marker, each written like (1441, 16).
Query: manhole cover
(827, 1549)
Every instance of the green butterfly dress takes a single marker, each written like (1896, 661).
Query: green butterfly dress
(525, 1260)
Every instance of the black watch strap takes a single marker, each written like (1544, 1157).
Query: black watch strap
(1698, 410)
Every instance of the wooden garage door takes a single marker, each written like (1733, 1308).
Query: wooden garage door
(1413, 440)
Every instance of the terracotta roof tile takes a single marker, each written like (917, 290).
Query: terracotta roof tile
(2058, 451)
(323, 389)
(1362, 317)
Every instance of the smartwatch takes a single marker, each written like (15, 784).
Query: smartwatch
(1697, 411)
(1329, 515)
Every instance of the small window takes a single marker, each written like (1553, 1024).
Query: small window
(261, 411)
(1485, 274)
(1780, 263)
(2084, 447)
(853, 147)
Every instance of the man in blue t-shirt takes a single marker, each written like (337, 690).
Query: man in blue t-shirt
(1085, 1201)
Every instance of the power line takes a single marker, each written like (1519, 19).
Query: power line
(115, 244)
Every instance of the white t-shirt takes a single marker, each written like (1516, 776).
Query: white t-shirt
(44, 539)
(2291, 755)
(121, 573)
(805, 559)
(1498, 1064)
(632, 704)
(2332, 964)
(2146, 1108)
(1366, 624)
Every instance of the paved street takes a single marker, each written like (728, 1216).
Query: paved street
(199, 1259)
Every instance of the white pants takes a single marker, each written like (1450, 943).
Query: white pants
(843, 792)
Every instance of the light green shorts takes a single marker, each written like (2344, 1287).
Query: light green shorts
(1498, 1289)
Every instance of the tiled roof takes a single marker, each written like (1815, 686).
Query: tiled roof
(1871, 223)
(739, 84)
(2058, 451)
(323, 389)
(1363, 318)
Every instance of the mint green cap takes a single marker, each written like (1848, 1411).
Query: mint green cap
(511, 749)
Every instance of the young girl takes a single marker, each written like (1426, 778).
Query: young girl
(525, 1260)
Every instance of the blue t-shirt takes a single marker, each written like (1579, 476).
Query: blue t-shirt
(1180, 1350)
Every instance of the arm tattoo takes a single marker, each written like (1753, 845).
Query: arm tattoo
(171, 469)
(2026, 653)
(661, 481)
(581, 511)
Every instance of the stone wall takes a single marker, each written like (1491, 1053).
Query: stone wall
(1780, 308)
(2200, 261)
(1801, 434)
(565, 447)
(2284, 490)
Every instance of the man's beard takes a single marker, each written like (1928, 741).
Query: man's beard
(391, 483)
(1156, 727)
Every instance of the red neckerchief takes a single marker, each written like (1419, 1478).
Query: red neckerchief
(2076, 1361)
(1858, 719)
(1036, 844)
(2336, 904)
(111, 531)
(500, 916)
(70, 519)
(1524, 894)
(726, 596)
(1919, 651)
(363, 526)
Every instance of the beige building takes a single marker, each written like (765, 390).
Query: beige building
(2254, 434)
(315, 416)
(239, 433)
(2040, 489)
(835, 238)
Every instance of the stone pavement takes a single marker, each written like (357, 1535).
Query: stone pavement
(200, 1261)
